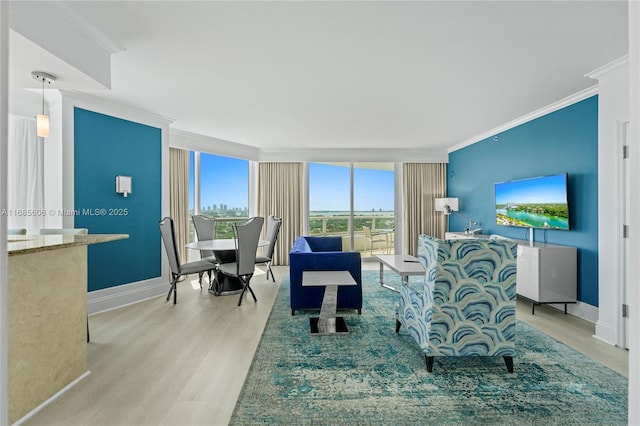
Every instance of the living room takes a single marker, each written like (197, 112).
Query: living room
(591, 177)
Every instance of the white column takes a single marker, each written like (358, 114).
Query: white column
(634, 142)
(4, 280)
(613, 106)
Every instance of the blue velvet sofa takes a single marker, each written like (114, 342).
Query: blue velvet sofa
(323, 254)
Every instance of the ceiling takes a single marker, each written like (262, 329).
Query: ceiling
(334, 74)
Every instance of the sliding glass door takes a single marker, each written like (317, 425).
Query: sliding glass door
(374, 216)
(354, 201)
(329, 199)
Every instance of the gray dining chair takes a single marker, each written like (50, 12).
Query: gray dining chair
(17, 231)
(64, 231)
(178, 269)
(273, 228)
(246, 236)
(205, 230)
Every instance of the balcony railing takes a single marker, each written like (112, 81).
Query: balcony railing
(339, 225)
(330, 225)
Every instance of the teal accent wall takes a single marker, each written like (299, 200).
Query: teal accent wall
(105, 147)
(562, 141)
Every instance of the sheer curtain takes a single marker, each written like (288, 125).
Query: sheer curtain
(179, 197)
(421, 184)
(279, 189)
(25, 180)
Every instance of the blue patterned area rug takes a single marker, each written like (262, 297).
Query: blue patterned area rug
(373, 376)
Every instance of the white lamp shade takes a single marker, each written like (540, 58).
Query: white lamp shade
(446, 205)
(42, 125)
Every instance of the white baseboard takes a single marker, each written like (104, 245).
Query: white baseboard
(580, 309)
(126, 294)
(50, 400)
(606, 333)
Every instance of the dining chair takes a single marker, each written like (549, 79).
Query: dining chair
(17, 231)
(375, 237)
(273, 228)
(205, 230)
(64, 231)
(246, 236)
(178, 269)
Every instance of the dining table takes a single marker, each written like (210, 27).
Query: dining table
(224, 250)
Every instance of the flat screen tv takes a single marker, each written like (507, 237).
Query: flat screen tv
(539, 202)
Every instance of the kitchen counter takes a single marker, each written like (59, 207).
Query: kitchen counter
(47, 330)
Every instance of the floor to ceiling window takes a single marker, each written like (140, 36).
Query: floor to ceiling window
(219, 188)
(354, 201)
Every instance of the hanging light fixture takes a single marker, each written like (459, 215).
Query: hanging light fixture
(42, 120)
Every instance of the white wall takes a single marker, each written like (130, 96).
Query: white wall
(613, 110)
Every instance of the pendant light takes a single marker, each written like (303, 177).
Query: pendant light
(42, 120)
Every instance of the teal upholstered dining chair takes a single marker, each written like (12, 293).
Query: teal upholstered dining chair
(467, 305)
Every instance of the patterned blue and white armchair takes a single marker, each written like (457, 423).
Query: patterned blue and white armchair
(468, 304)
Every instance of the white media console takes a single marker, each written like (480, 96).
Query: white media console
(547, 273)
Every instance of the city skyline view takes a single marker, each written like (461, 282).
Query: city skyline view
(223, 181)
(224, 186)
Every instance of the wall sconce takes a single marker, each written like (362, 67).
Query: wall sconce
(123, 185)
(450, 205)
(42, 120)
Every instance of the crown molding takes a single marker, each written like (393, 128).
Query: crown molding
(385, 155)
(68, 13)
(115, 109)
(597, 73)
(183, 139)
(569, 100)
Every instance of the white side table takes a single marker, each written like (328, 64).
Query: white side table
(402, 264)
(327, 323)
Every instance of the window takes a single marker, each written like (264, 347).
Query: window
(219, 188)
(329, 199)
(344, 198)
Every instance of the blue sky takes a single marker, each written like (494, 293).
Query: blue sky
(546, 189)
(329, 188)
(225, 180)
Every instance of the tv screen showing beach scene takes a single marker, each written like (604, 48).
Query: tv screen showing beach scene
(539, 202)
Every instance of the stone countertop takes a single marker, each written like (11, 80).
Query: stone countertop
(23, 244)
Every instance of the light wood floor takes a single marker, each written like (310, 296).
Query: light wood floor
(154, 363)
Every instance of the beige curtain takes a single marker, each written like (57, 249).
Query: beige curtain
(421, 184)
(279, 189)
(179, 197)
